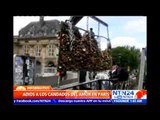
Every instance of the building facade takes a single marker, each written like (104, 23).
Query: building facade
(39, 39)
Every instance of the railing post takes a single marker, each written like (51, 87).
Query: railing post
(82, 78)
(99, 84)
(109, 85)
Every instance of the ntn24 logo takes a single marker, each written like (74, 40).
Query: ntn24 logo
(138, 94)
(122, 92)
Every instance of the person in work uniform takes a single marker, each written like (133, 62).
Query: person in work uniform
(92, 34)
(89, 33)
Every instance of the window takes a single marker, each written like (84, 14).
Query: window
(50, 50)
(32, 52)
(29, 33)
(38, 51)
(25, 49)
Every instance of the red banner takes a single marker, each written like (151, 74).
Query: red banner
(60, 94)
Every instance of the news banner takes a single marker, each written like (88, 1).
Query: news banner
(46, 95)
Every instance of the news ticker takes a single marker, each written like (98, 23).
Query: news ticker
(46, 95)
(80, 101)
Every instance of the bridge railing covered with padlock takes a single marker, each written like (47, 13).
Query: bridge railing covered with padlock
(81, 52)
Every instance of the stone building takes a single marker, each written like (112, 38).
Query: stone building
(39, 39)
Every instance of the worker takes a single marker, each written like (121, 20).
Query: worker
(92, 35)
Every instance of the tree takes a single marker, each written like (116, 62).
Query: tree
(126, 56)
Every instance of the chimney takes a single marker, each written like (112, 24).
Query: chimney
(41, 20)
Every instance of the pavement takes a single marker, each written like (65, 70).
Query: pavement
(72, 78)
(53, 80)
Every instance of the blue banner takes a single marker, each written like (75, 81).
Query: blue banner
(79, 101)
(63, 101)
(129, 101)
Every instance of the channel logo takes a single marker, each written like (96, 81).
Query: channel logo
(123, 94)
(129, 94)
(141, 94)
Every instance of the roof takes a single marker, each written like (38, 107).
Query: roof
(40, 29)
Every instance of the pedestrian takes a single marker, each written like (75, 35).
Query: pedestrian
(82, 78)
(62, 72)
(25, 73)
(118, 74)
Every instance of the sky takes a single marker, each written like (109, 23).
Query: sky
(123, 30)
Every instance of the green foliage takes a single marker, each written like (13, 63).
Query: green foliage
(127, 56)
